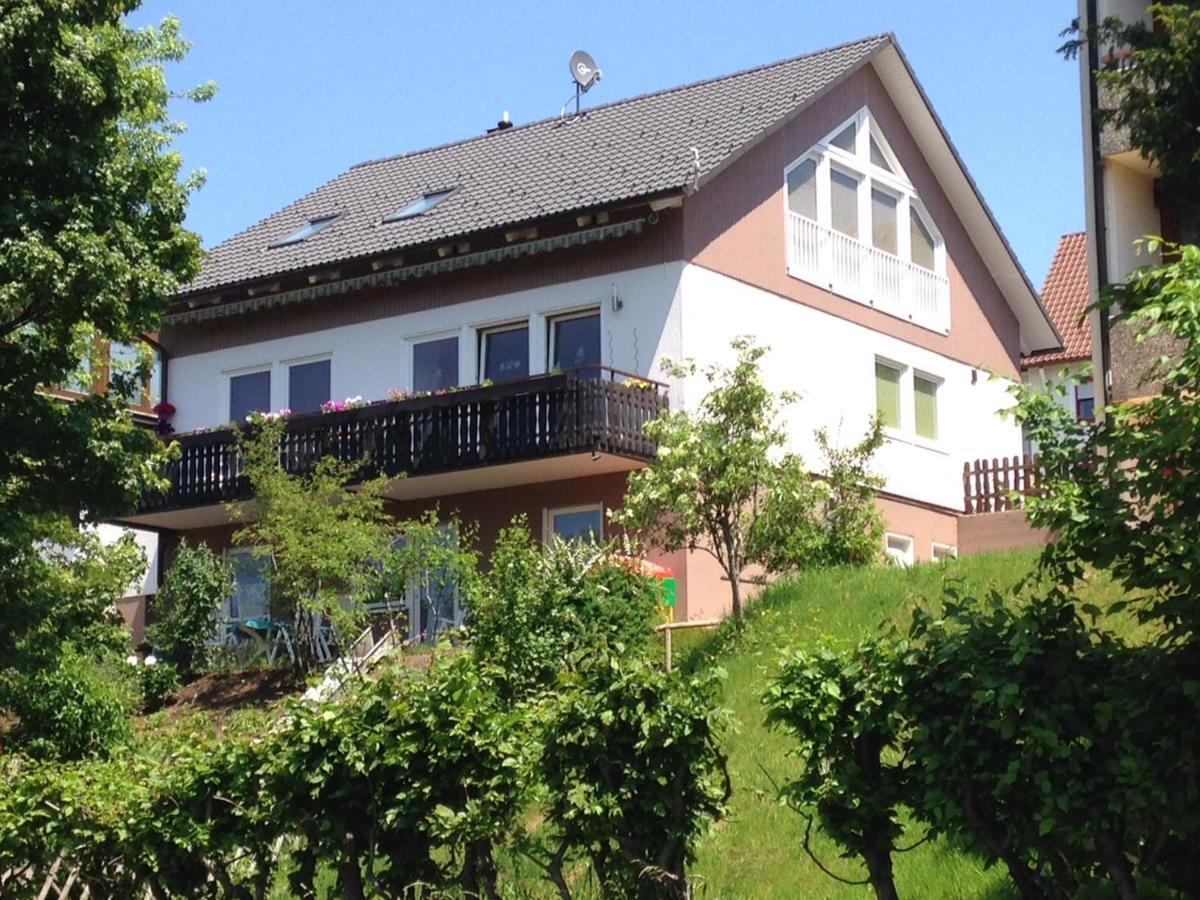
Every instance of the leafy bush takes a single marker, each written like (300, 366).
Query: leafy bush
(188, 607)
(844, 711)
(158, 682)
(78, 708)
(538, 609)
(634, 773)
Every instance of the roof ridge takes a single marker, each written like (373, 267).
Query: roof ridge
(874, 38)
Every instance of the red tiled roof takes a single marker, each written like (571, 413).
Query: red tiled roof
(1065, 296)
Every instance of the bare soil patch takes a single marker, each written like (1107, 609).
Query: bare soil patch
(218, 693)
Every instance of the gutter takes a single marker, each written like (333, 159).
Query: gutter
(405, 273)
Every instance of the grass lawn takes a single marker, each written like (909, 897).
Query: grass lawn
(757, 851)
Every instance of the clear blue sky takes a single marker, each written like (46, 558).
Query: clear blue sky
(308, 88)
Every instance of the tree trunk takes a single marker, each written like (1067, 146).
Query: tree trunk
(1117, 864)
(735, 593)
(879, 870)
(1027, 881)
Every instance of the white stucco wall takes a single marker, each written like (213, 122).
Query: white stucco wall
(1130, 215)
(671, 310)
(830, 362)
(370, 358)
(148, 541)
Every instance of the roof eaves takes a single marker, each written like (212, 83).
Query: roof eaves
(463, 237)
(978, 196)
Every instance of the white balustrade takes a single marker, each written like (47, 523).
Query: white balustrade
(868, 275)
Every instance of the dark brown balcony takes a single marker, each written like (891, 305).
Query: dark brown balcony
(597, 414)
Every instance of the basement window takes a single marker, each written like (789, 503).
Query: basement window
(304, 232)
(419, 207)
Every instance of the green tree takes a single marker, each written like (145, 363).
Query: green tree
(92, 247)
(188, 607)
(92, 243)
(724, 483)
(325, 543)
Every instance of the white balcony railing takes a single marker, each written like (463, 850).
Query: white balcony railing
(867, 275)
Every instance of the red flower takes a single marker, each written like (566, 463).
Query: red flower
(164, 409)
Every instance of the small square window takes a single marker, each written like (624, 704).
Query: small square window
(943, 552)
(575, 343)
(504, 353)
(899, 549)
(249, 393)
(308, 386)
(583, 523)
(435, 364)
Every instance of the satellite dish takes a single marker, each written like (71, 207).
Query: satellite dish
(584, 70)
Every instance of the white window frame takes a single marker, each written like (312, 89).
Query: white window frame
(481, 335)
(905, 558)
(907, 430)
(286, 366)
(228, 556)
(230, 374)
(939, 551)
(582, 313)
(427, 338)
(550, 512)
(938, 381)
(859, 164)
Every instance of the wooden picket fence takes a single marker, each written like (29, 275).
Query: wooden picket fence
(998, 484)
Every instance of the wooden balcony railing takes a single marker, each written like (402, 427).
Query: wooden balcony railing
(998, 485)
(598, 410)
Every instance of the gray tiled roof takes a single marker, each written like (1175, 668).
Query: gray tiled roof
(632, 148)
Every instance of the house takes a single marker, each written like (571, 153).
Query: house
(1067, 299)
(498, 308)
(1124, 205)
(97, 375)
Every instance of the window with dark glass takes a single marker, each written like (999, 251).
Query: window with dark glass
(1085, 401)
(435, 364)
(249, 393)
(575, 343)
(251, 598)
(505, 353)
(308, 386)
(584, 524)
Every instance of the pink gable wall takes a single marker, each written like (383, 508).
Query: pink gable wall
(735, 226)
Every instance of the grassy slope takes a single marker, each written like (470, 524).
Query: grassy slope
(757, 851)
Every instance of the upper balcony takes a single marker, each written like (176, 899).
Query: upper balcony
(866, 274)
(537, 429)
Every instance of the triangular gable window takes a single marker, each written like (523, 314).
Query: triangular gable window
(858, 228)
(878, 158)
(845, 138)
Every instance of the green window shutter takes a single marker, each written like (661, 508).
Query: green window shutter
(887, 395)
(925, 402)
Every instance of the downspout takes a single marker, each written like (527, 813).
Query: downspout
(1100, 226)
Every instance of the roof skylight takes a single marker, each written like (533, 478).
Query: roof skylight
(304, 232)
(418, 207)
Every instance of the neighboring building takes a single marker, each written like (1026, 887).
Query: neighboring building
(95, 377)
(1066, 297)
(1124, 205)
(815, 204)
